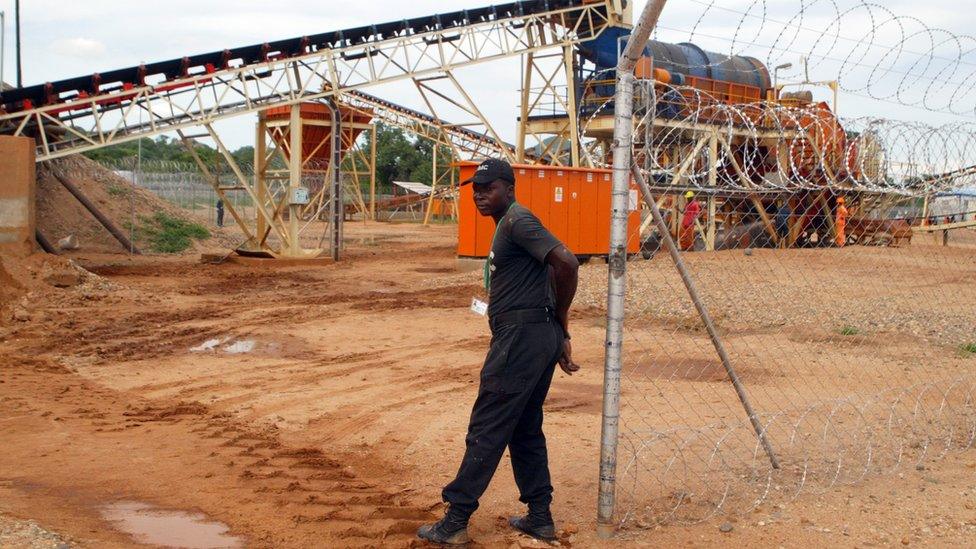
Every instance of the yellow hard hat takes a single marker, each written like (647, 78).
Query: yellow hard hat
(840, 199)
(689, 194)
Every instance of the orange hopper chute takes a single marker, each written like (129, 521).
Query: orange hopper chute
(316, 139)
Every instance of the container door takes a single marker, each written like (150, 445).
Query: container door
(589, 215)
(539, 181)
(523, 186)
(573, 201)
(467, 217)
(559, 206)
(603, 209)
(524, 182)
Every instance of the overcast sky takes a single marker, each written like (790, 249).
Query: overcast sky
(67, 38)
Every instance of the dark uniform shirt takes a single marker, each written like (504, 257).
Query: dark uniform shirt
(518, 274)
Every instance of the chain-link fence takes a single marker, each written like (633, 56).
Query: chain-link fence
(835, 259)
(185, 186)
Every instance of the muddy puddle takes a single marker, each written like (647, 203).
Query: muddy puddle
(270, 346)
(166, 528)
(230, 346)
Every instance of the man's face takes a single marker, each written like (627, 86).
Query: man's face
(493, 198)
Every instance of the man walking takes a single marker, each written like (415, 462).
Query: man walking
(531, 280)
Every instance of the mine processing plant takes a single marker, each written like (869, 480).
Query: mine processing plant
(707, 122)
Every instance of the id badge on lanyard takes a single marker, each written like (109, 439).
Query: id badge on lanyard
(479, 307)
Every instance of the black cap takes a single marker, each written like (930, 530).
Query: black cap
(490, 170)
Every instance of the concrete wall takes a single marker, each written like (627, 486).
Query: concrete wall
(17, 189)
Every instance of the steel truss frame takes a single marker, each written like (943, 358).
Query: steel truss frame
(101, 120)
(703, 143)
(444, 175)
(564, 146)
(463, 141)
(458, 141)
(359, 163)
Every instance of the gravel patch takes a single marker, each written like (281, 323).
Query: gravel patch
(27, 534)
(925, 291)
(928, 293)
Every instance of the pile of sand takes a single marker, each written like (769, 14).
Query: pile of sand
(45, 278)
(59, 214)
(25, 282)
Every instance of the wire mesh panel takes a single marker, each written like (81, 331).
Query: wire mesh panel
(852, 357)
(836, 258)
(183, 185)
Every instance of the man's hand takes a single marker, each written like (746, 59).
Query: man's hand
(565, 277)
(566, 359)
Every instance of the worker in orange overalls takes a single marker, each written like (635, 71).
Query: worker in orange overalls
(841, 222)
(686, 236)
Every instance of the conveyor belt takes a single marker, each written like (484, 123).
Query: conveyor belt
(50, 93)
(466, 139)
(86, 113)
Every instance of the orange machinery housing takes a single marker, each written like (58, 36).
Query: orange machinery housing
(317, 139)
(573, 203)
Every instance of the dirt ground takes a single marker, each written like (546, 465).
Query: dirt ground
(325, 406)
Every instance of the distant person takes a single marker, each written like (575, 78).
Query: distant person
(531, 279)
(220, 212)
(840, 223)
(783, 219)
(686, 237)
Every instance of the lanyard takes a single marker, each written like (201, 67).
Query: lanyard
(487, 269)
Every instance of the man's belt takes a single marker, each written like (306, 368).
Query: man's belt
(520, 316)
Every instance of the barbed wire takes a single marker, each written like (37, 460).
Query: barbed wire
(803, 144)
(849, 322)
(871, 50)
(808, 332)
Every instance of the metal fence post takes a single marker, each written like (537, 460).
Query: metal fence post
(616, 292)
(338, 212)
(617, 280)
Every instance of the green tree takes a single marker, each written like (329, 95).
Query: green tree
(400, 157)
(164, 148)
(244, 155)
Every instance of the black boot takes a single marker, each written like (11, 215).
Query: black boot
(450, 530)
(538, 524)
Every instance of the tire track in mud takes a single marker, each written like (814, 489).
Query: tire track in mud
(322, 499)
(336, 499)
(124, 335)
(364, 379)
(314, 488)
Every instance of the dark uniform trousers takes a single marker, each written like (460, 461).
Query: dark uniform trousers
(508, 411)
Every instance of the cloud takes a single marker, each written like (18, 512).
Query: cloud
(78, 47)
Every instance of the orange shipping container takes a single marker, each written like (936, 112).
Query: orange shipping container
(573, 203)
